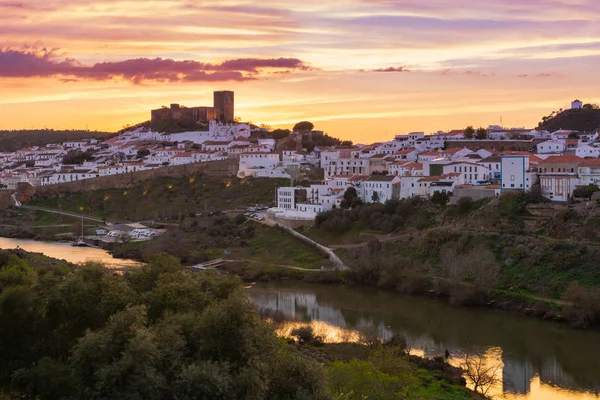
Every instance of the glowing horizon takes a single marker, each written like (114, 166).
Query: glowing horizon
(362, 70)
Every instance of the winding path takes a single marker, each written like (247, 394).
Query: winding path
(69, 214)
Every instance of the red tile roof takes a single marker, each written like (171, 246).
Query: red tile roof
(565, 159)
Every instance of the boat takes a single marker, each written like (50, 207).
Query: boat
(80, 242)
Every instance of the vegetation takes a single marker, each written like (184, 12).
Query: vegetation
(157, 332)
(351, 199)
(586, 119)
(475, 253)
(166, 198)
(303, 126)
(196, 239)
(77, 157)
(469, 132)
(481, 134)
(170, 125)
(16, 139)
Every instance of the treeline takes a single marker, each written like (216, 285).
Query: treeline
(12, 140)
(413, 211)
(586, 119)
(157, 332)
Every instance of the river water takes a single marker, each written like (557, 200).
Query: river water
(533, 359)
(64, 251)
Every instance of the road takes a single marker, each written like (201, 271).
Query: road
(69, 214)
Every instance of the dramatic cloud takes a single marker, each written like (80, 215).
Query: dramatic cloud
(46, 63)
(392, 69)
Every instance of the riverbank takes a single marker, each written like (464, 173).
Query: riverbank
(534, 360)
(98, 306)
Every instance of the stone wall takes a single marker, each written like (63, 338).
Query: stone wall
(214, 168)
(475, 193)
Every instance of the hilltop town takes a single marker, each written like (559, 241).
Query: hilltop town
(480, 163)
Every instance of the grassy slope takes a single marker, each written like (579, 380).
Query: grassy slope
(167, 198)
(537, 256)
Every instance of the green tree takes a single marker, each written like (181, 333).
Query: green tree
(142, 153)
(78, 157)
(350, 199)
(469, 132)
(375, 197)
(280, 133)
(481, 133)
(157, 332)
(303, 126)
(440, 198)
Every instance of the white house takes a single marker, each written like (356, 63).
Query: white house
(347, 166)
(493, 165)
(551, 146)
(380, 188)
(586, 150)
(250, 163)
(589, 172)
(471, 173)
(513, 173)
(576, 104)
(410, 154)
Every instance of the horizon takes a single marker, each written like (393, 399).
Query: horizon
(361, 70)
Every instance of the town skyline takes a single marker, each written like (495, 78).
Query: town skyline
(360, 70)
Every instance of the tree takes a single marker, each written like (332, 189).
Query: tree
(469, 132)
(142, 153)
(440, 198)
(481, 133)
(30, 163)
(350, 199)
(157, 332)
(280, 133)
(303, 126)
(347, 143)
(483, 375)
(78, 157)
(375, 197)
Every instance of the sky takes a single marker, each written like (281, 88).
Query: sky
(362, 70)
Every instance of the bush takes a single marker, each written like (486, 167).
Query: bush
(464, 205)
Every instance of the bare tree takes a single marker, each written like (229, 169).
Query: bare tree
(479, 372)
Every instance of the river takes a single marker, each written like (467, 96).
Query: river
(64, 251)
(535, 360)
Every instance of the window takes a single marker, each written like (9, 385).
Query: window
(512, 178)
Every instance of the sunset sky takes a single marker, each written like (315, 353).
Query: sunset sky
(359, 69)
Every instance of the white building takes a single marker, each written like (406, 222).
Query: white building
(515, 173)
(346, 166)
(250, 163)
(471, 173)
(380, 188)
(576, 104)
(586, 150)
(550, 147)
(589, 172)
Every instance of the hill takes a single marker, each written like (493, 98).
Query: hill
(16, 139)
(585, 119)
(512, 251)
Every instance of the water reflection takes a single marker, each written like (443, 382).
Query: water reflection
(537, 360)
(64, 251)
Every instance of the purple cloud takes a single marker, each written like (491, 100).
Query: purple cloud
(391, 69)
(46, 63)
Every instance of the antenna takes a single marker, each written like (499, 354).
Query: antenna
(501, 121)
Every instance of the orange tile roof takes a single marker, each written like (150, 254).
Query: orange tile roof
(590, 162)
(569, 159)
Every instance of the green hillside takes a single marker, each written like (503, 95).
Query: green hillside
(586, 119)
(17, 139)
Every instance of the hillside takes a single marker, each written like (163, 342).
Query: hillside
(16, 139)
(510, 250)
(582, 120)
(166, 198)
